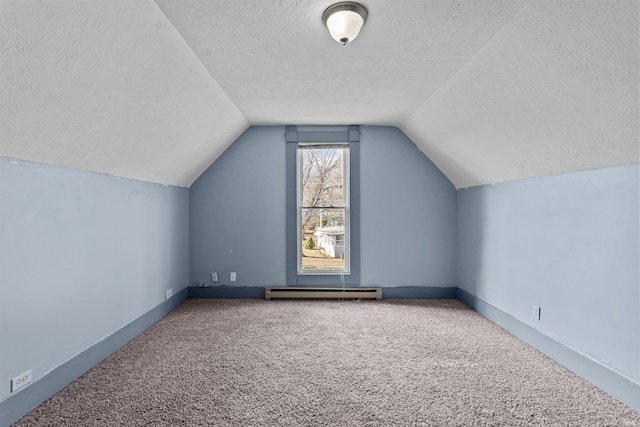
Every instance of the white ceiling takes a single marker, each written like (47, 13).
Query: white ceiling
(490, 90)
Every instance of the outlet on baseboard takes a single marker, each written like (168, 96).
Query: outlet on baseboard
(232, 276)
(214, 277)
(21, 381)
(168, 293)
(536, 312)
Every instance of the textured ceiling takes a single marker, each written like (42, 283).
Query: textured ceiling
(278, 64)
(555, 91)
(108, 86)
(490, 90)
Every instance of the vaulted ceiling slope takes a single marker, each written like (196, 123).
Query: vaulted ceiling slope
(490, 90)
(108, 86)
(556, 90)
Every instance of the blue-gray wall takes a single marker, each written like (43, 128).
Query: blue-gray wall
(238, 212)
(568, 243)
(81, 256)
(407, 221)
(407, 215)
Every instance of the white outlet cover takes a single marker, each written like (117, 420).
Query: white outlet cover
(21, 381)
(232, 277)
(214, 277)
(536, 312)
(168, 293)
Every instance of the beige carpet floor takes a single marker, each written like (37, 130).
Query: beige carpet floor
(328, 363)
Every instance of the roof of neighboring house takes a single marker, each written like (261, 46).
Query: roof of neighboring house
(332, 231)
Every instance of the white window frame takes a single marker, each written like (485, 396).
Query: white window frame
(346, 194)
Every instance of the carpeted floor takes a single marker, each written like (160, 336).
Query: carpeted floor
(328, 363)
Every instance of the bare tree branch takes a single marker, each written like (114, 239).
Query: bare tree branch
(322, 180)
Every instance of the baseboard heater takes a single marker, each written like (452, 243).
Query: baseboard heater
(322, 293)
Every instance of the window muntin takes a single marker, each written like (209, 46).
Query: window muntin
(323, 208)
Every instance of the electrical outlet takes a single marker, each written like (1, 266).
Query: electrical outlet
(232, 277)
(20, 381)
(214, 277)
(536, 312)
(168, 293)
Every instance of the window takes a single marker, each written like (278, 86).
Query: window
(323, 225)
(346, 213)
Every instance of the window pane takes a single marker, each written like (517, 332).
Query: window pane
(323, 217)
(322, 177)
(323, 239)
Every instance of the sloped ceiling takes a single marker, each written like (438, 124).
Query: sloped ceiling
(556, 90)
(108, 86)
(490, 90)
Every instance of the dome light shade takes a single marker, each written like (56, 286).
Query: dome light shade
(344, 20)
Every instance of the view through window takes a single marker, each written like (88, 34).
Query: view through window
(323, 208)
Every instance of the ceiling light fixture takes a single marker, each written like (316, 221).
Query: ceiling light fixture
(344, 20)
